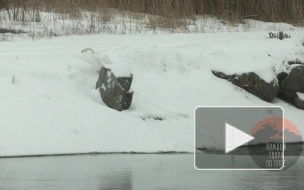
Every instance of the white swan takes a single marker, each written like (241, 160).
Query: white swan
(95, 59)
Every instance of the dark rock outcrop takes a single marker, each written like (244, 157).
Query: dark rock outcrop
(291, 81)
(115, 91)
(253, 84)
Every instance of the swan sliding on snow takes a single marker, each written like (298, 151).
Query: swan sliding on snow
(95, 59)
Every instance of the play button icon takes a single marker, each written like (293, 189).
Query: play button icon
(235, 138)
(242, 138)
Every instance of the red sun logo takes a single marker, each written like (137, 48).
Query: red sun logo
(273, 128)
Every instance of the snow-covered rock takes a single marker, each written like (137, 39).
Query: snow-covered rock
(253, 83)
(292, 84)
(114, 84)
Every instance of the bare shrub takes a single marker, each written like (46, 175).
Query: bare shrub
(279, 35)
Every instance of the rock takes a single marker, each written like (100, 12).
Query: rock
(296, 62)
(299, 100)
(115, 87)
(291, 82)
(252, 83)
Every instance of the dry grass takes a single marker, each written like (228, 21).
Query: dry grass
(135, 16)
(291, 11)
(165, 23)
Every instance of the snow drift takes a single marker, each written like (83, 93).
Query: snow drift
(54, 107)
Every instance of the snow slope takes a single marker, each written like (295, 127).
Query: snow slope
(49, 104)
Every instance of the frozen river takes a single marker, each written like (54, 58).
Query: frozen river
(140, 172)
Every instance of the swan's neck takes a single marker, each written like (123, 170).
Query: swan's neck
(87, 49)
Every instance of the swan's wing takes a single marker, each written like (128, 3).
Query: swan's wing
(92, 59)
(104, 60)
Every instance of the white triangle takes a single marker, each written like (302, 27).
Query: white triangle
(235, 138)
